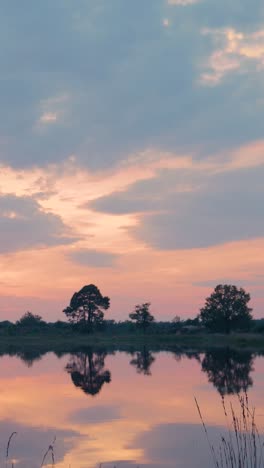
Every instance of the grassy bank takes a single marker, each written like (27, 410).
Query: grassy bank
(75, 341)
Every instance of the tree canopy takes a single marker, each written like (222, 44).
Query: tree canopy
(87, 306)
(30, 320)
(226, 309)
(142, 315)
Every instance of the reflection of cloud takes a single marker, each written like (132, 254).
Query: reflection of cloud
(30, 444)
(96, 415)
(236, 51)
(127, 464)
(168, 445)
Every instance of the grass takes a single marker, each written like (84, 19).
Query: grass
(50, 451)
(241, 446)
(70, 342)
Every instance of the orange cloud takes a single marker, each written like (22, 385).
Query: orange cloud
(168, 279)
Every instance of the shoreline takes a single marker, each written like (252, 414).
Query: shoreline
(127, 342)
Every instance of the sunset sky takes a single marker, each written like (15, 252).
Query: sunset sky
(131, 153)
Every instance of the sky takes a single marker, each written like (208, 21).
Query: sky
(131, 153)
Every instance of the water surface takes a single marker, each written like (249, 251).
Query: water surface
(120, 409)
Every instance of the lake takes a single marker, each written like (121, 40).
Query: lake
(120, 409)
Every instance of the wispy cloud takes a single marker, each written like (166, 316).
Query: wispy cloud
(235, 52)
(53, 109)
(48, 117)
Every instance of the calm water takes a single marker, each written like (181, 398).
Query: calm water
(125, 410)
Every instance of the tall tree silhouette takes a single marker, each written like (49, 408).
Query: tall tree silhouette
(143, 361)
(87, 306)
(228, 370)
(87, 371)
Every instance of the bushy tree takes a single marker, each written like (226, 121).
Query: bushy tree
(87, 306)
(30, 320)
(226, 309)
(142, 316)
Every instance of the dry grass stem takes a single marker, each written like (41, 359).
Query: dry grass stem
(242, 444)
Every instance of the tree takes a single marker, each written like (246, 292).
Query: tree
(142, 316)
(87, 306)
(87, 371)
(177, 323)
(226, 309)
(30, 320)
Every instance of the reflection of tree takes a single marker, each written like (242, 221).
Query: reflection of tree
(179, 353)
(29, 356)
(87, 371)
(228, 370)
(143, 361)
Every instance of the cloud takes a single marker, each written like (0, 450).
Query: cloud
(236, 52)
(48, 117)
(211, 209)
(110, 94)
(112, 81)
(23, 225)
(212, 283)
(182, 2)
(93, 258)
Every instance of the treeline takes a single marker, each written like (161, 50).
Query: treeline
(31, 324)
(225, 310)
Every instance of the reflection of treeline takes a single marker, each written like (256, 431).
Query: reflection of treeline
(229, 370)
